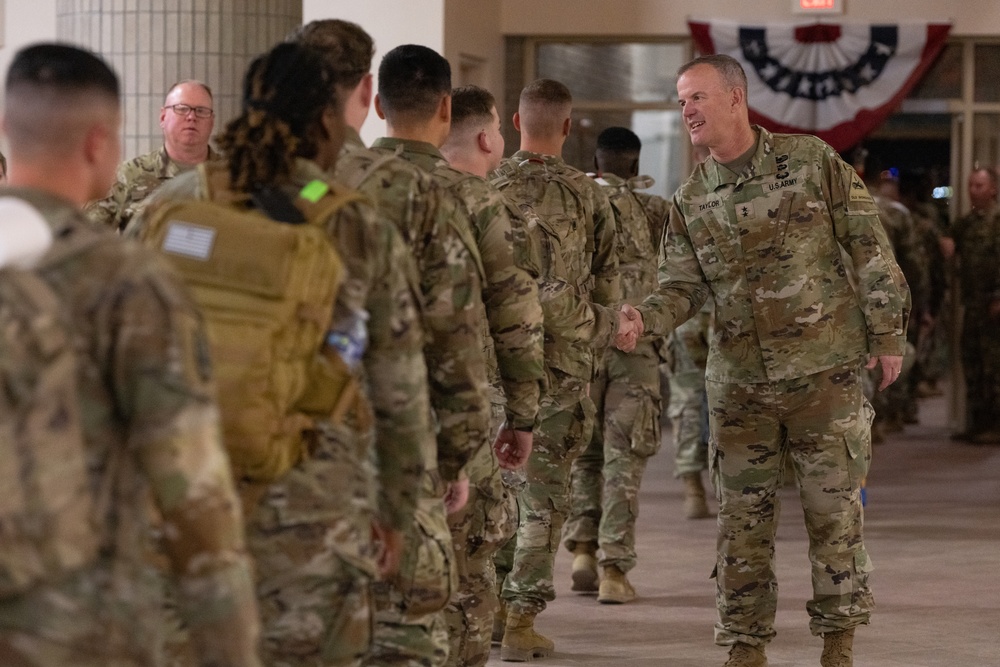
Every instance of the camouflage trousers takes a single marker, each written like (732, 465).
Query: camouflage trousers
(980, 356)
(604, 496)
(410, 627)
(487, 522)
(314, 560)
(565, 425)
(689, 352)
(822, 422)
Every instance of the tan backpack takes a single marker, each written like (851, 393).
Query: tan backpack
(266, 290)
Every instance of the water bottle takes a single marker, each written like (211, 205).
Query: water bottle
(349, 336)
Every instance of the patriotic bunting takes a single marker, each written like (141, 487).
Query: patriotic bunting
(838, 81)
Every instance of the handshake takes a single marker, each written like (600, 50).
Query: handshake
(629, 328)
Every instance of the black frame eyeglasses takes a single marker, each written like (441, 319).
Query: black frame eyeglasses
(185, 109)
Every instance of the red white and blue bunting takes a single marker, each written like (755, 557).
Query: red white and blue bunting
(838, 81)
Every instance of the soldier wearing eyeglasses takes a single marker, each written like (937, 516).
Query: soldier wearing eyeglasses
(187, 118)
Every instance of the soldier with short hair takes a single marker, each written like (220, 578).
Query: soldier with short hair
(146, 399)
(414, 98)
(572, 220)
(513, 341)
(604, 503)
(761, 225)
(187, 118)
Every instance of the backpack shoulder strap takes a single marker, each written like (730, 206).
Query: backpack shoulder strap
(362, 175)
(319, 199)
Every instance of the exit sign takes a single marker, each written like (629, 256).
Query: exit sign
(817, 6)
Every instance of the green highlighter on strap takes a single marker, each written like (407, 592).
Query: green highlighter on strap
(314, 191)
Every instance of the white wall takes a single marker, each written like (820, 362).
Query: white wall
(24, 22)
(390, 23)
(473, 37)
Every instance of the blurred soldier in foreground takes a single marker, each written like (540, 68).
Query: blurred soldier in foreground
(761, 225)
(604, 502)
(145, 400)
(187, 119)
(513, 340)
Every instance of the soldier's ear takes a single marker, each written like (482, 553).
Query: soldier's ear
(517, 121)
(736, 97)
(366, 88)
(378, 107)
(444, 109)
(567, 126)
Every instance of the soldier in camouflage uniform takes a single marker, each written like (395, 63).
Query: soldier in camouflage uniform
(187, 120)
(311, 532)
(761, 225)
(414, 85)
(147, 405)
(410, 628)
(685, 370)
(975, 238)
(578, 289)
(897, 405)
(474, 147)
(606, 476)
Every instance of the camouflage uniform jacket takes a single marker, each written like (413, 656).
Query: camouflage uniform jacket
(977, 241)
(637, 253)
(657, 210)
(510, 293)
(450, 278)
(907, 248)
(636, 248)
(151, 429)
(579, 288)
(136, 179)
(768, 245)
(380, 278)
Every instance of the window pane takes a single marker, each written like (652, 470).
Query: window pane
(661, 134)
(987, 81)
(613, 72)
(986, 140)
(943, 80)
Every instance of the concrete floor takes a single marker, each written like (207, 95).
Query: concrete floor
(933, 531)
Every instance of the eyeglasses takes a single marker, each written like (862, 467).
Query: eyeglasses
(185, 109)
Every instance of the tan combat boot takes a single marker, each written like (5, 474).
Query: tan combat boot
(584, 568)
(695, 506)
(615, 587)
(520, 641)
(499, 622)
(838, 649)
(745, 655)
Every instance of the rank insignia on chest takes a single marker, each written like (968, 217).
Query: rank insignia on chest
(745, 211)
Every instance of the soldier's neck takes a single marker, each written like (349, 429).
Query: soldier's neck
(429, 133)
(742, 141)
(188, 155)
(542, 145)
(66, 180)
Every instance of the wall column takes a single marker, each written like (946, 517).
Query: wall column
(154, 43)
